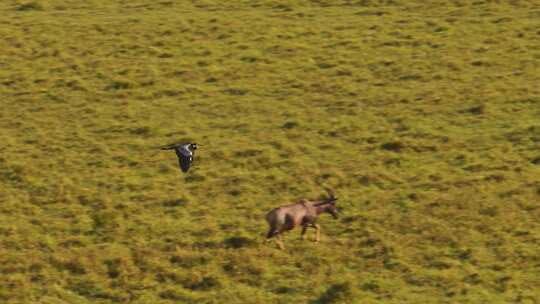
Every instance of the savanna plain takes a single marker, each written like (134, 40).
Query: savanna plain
(422, 116)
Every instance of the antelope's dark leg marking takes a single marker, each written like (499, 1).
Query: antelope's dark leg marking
(289, 222)
(271, 233)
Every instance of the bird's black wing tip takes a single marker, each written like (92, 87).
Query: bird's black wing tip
(170, 146)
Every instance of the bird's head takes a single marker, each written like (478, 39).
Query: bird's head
(194, 146)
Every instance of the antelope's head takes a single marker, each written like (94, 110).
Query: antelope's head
(331, 203)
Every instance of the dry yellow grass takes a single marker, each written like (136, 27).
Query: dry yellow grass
(421, 115)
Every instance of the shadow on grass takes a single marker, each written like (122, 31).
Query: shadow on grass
(238, 242)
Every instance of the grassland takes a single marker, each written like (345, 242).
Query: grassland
(423, 116)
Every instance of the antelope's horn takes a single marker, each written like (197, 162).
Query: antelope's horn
(330, 192)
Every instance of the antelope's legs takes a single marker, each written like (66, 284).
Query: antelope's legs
(318, 228)
(304, 229)
(279, 242)
(269, 235)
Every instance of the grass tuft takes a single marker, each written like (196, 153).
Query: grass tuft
(30, 6)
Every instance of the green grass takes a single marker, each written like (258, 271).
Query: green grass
(423, 116)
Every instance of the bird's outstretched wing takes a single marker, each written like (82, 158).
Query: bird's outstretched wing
(184, 154)
(184, 161)
(171, 147)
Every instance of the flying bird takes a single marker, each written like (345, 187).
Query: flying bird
(184, 152)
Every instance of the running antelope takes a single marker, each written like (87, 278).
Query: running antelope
(304, 213)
